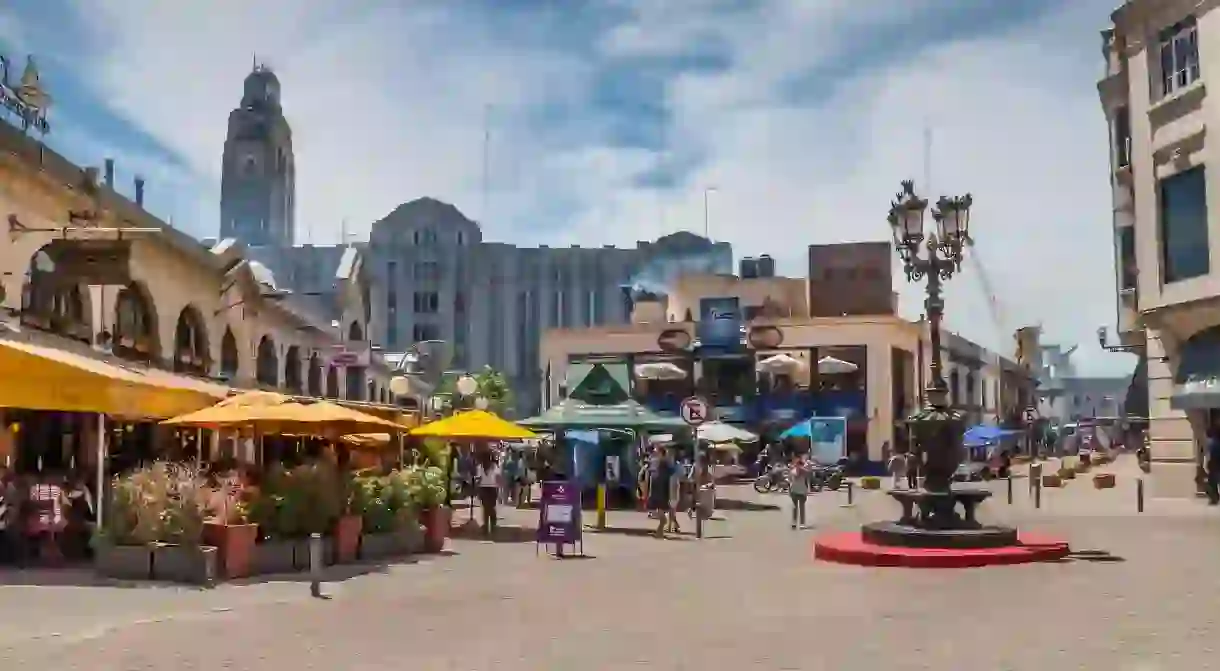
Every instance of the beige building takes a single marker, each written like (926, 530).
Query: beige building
(1162, 57)
(772, 319)
(202, 311)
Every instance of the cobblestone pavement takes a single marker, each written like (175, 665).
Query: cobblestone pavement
(748, 595)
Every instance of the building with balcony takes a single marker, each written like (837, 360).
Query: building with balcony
(1162, 57)
(718, 329)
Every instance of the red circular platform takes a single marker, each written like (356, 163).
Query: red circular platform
(850, 548)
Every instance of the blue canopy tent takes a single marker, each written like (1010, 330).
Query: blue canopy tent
(984, 434)
(827, 437)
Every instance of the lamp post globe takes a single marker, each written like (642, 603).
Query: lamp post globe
(481, 403)
(467, 385)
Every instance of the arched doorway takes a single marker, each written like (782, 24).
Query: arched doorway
(51, 303)
(135, 325)
(267, 363)
(191, 342)
(354, 332)
(292, 370)
(230, 360)
(332, 382)
(315, 375)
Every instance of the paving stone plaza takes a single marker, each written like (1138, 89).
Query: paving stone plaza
(1140, 596)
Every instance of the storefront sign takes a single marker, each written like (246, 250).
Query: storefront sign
(719, 322)
(26, 99)
(559, 513)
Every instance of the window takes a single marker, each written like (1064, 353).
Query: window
(391, 334)
(426, 302)
(427, 271)
(591, 306)
(422, 332)
(752, 312)
(461, 239)
(1183, 225)
(1179, 56)
(1122, 137)
(1128, 271)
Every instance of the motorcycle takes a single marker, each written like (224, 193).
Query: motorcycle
(826, 477)
(773, 480)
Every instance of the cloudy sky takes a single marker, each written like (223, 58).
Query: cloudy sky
(609, 119)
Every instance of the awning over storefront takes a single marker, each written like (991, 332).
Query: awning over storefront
(1197, 380)
(40, 377)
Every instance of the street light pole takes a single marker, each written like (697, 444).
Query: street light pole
(937, 425)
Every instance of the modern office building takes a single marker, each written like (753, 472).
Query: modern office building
(436, 278)
(1162, 58)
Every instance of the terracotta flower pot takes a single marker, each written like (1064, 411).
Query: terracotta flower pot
(1051, 481)
(436, 523)
(347, 538)
(234, 545)
(1103, 481)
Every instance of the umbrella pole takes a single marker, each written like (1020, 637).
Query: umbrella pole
(101, 467)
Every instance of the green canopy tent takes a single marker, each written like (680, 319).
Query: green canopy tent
(574, 414)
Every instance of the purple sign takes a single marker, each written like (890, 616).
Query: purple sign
(559, 513)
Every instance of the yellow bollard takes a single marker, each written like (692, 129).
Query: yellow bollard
(601, 505)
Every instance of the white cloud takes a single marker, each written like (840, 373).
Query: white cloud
(390, 105)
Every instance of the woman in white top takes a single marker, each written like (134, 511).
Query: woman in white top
(487, 476)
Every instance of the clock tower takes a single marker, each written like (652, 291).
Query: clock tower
(258, 178)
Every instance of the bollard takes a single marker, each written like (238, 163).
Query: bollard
(315, 565)
(1035, 476)
(850, 490)
(1139, 495)
(1010, 489)
(1038, 492)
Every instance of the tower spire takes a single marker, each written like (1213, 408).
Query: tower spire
(254, 62)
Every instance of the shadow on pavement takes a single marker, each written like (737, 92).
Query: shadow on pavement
(1100, 556)
(503, 534)
(737, 504)
(642, 532)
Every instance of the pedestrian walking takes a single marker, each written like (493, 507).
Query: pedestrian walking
(487, 478)
(660, 473)
(798, 489)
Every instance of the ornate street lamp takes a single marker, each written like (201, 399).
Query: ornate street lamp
(937, 427)
(930, 517)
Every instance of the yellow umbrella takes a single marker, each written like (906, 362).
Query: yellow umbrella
(368, 440)
(254, 399)
(337, 420)
(267, 417)
(474, 424)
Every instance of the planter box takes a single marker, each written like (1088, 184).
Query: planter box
(1051, 481)
(415, 538)
(1103, 481)
(273, 556)
(185, 564)
(234, 545)
(436, 521)
(382, 546)
(870, 483)
(1099, 459)
(347, 538)
(1067, 474)
(1083, 466)
(125, 562)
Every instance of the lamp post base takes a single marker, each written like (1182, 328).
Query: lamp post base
(932, 534)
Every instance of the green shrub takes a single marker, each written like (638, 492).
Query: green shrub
(160, 503)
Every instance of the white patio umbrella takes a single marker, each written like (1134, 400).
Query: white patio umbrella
(719, 432)
(660, 370)
(828, 365)
(780, 363)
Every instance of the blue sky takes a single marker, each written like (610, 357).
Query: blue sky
(609, 119)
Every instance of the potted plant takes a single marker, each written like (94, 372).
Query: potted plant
(382, 505)
(294, 504)
(354, 494)
(425, 487)
(123, 544)
(229, 529)
(175, 491)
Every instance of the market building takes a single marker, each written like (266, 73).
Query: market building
(88, 270)
(858, 360)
